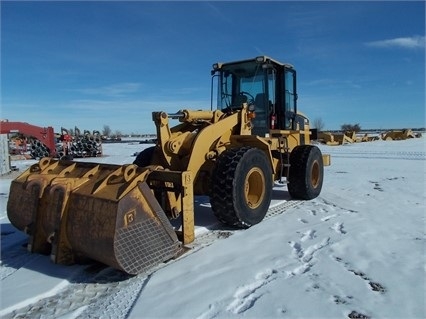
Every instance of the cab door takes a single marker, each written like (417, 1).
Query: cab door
(290, 98)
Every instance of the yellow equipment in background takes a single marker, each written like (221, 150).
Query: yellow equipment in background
(398, 135)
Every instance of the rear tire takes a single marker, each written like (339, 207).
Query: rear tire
(306, 172)
(144, 158)
(67, 157)
(241, 187)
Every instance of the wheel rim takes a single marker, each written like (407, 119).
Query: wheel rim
(315, 174)
(254, 188)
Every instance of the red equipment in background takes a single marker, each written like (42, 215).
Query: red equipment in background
(45, 135)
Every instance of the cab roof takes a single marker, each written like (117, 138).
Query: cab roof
(258, 59)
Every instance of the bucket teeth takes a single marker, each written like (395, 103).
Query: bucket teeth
(78, 210)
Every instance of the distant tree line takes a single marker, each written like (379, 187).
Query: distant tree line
(319, 124)
(106, 131)
(351, 127)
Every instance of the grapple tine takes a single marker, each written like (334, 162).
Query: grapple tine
(26, 201)
(104, 212)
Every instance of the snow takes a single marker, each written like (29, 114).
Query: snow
(356, 250)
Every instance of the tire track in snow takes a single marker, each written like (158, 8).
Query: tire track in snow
(308, 235)
(305, 256)
(303, 251)
(246, 296)
(13, 258)
(83, 290)
(332, 212)
(373, 285)
(113, 292)
(398, 155)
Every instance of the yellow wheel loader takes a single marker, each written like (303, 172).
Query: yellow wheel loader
(233, 153)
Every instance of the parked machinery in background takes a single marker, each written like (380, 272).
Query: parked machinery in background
(79, 145)
(43, 142)
(42, 139)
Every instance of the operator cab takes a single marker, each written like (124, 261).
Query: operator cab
(263, 83)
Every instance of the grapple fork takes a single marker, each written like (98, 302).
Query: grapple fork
(104, 212)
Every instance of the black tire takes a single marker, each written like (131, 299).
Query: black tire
(67, 157)
(241, 187)
(144, 158)
(306, 172)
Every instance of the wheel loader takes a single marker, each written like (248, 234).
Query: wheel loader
(122, 215)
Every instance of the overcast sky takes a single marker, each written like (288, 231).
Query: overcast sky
(90, 64)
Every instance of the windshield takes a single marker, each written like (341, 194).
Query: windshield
(240, 83)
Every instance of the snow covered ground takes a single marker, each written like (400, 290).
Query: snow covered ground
(357, 251)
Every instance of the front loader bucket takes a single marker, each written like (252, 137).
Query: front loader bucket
(76, 210)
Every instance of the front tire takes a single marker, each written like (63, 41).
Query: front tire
(144, 158)
(306, 172)
(241, 187)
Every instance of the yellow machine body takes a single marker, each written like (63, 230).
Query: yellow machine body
(121, 215)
